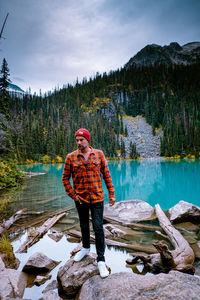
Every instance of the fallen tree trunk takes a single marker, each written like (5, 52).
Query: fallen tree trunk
(132, 225)
(180, 259)
(109, 242)
(39, 220)
(39, 232)
(8, 223)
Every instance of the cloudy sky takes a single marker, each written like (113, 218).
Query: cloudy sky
(49, 43)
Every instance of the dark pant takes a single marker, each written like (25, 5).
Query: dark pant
(97, 222)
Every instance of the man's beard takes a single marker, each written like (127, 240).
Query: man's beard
(81, 147)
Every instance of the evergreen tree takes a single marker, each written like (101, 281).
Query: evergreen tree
(126, 131)
(133, 151)
(4, 83)
(123, 149)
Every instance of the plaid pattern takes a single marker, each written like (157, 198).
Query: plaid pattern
(86, 176)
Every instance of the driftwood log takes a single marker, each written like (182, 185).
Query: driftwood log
(8, 223)
(132, 225)
(179, 259)
(76, 233)
(42, 218)
(39, 232)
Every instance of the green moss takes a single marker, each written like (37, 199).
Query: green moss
(7, 250)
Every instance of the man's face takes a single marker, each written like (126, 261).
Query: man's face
(81, 142)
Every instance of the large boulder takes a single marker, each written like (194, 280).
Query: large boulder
(184, 211)
(2, 265)
(73, 274)
(12, 284)
(51, 295)
(174, 285)
(129, 211)
(39, 263)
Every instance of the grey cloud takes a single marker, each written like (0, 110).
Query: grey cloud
(54, 42)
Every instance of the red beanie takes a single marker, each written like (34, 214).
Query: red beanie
(83, 132)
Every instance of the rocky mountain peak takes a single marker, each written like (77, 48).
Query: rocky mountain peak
(168, 54)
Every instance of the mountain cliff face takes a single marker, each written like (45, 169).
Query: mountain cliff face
(173, 54)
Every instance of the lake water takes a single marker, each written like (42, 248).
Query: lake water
(154, 181)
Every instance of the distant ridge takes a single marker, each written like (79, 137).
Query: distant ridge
(15, 88)
(15, 91)
(173, 54)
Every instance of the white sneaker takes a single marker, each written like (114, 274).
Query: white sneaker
(103, 269)
(82, 253)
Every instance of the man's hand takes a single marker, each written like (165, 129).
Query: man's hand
(111, 201)
(77, 199)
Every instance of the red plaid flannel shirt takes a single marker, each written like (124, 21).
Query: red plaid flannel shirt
(86, 176)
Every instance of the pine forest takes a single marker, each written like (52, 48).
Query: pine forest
(41, 128)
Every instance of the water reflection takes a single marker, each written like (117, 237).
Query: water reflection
(154, 181)
(157, 181)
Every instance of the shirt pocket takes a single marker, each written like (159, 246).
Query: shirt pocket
(94, 166)
(78, 169)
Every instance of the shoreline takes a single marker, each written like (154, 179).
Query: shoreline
(121, 159)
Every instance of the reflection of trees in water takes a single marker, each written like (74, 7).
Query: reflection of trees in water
(123, 175)
(134, 166)
(59, 166)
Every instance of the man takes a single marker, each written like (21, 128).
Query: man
(86, 165)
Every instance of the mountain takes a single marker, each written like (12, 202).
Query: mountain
(15, 90)
(166, 96)
(173, 54)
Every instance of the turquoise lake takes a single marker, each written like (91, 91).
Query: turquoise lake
(154, 181)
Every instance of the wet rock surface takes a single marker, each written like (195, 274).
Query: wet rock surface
(12, 284)
(129, 211)
(51, 295)
(55, 235)
(184, 211)
(174, 285)
(38, 263)
(39, 280)
(73, 274)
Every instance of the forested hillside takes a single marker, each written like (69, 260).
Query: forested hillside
(167, 96)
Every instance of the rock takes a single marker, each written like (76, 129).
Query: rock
(73, 274)
(10, 263)
(184, 211)
(39, 280)
(2, 265)
(51, 286)
(76, 249)
(140, 134)
(12, 284)
(108, 110)
(169, 55)
(175, 285)
(51, 295)
(129, 211)
(38, 263)
(55, 235)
